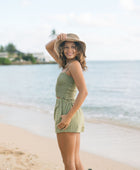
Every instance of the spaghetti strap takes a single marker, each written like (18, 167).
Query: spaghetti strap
(67, 68)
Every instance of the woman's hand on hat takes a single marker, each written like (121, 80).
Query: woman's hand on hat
(62, 36)
(64, 122)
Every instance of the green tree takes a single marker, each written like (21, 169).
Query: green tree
(53, 33)
(29, 57)
(18, 58)
(5, 61)
(1, 48)
(10, 48)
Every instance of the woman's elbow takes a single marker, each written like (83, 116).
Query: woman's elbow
(46, 47)
(85, 93)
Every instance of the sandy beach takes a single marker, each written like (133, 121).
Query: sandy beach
(23, 150)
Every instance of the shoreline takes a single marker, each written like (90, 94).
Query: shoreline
(112, 122)
(22, 149)
(28, 63)
(89, 120)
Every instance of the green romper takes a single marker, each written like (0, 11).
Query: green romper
(66, 91)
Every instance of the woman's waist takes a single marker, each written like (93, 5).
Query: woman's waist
(65, 91)
(66, 95)
(65, 98)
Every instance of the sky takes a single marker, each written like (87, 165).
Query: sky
(110, 28)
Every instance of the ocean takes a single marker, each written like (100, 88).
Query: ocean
(113, 90)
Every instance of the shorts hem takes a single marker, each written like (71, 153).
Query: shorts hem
(69, 131)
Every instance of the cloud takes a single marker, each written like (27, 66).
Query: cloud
(26, 3)
(27, 40)
(129, 5)
(89, 19)
(83, 19)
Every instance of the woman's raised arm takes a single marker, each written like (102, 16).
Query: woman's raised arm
(50, 48)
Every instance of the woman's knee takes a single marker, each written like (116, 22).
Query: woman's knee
(69, 162)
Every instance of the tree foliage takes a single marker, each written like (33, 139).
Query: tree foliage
(53, 33)
(2, 49)
(5, 61)
(12, 51)
(29, 57)
(10, 48)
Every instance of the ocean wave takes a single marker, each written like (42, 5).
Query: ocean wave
(126, 115)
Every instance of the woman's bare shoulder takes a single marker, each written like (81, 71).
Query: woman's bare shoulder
(75, 65)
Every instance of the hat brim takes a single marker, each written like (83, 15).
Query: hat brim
(59, 42)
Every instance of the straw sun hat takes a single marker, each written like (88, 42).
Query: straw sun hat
(72, 38)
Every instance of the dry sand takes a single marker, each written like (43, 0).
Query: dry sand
(22, 150)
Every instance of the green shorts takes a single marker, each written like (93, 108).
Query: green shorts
(62, 107)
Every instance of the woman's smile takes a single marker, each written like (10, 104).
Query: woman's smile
(69, 50)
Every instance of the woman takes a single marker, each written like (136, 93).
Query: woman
(69, 52)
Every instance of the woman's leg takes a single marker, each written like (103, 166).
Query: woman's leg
(67, 143)
(78, 163)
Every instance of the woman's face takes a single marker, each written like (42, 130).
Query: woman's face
(70, 50)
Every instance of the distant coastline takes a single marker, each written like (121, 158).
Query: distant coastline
(28, 63)
(9, 55)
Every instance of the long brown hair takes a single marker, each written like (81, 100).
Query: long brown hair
(80, 56)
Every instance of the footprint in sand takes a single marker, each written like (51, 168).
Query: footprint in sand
(14, 159)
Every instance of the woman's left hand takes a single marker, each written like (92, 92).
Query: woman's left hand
(64, 122)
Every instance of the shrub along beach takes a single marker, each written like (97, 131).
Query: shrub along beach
(9, 55)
